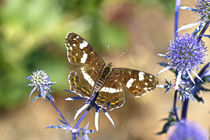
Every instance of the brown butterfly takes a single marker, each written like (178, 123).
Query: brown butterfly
(94, 75)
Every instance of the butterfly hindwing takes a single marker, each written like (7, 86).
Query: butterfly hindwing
(111, 95)
(135, 82)
(82, 80)
(80, 52)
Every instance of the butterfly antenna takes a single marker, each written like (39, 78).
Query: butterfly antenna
(123, 53)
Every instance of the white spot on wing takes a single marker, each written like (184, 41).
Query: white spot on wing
(130, 82)
(141, 76)
(69, 59)
(88, 78)
(84, 58)
(83, 44)
(67, 53)
(145, 88)
(110, 90)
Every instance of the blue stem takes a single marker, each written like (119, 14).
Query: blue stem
(61, 115)
(184, 108)
(174, 105)
(177, 7)
(203, 30)
(74, 136)
(82, 117)
(91, 103)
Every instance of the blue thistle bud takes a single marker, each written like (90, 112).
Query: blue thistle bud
(41, 82)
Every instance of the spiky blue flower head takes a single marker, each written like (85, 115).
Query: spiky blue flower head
(203, 8)
(185, 130)
(186, 53)
(41, 82)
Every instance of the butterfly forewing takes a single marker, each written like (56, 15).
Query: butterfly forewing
(80, 52)
(135, 82)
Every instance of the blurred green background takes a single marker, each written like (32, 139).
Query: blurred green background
(32, 34)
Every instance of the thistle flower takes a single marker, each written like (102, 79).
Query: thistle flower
(203, 8)
(89, 103)
(185, 130)
(185, 54)
(41, 82)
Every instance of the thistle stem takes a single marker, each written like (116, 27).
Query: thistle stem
(177, 7)
(73, 136)
(82, 117)
(91, 104)
(174, 105)
(184, 108)
(61, 115)
(203, 30)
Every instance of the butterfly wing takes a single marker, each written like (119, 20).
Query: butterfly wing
(135, 82)
(111, 95)
(123, 80)
(82, 80)
(80, 52)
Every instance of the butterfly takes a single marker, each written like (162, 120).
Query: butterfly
(94, 75)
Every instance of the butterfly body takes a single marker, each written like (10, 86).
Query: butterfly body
(100, 81)
(94, 75)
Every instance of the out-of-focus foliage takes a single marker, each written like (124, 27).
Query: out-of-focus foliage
(32, 37)
(168, 5)
(32, 34)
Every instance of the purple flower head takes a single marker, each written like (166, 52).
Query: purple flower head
(186, 130)
(186, 53)
(41, 82)
(203, 8)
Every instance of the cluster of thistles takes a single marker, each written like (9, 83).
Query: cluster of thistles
(185, 55)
